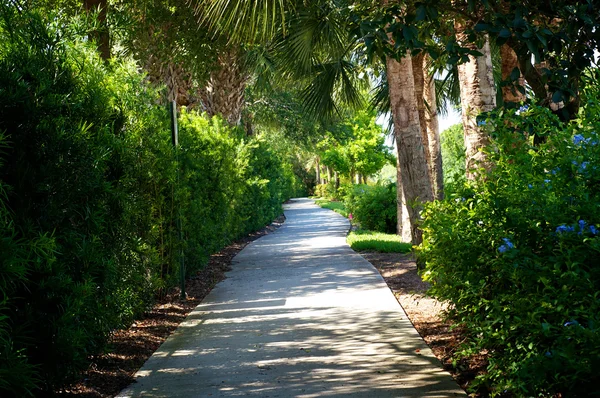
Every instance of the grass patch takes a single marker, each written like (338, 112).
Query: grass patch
(338, 207)
(377, 241)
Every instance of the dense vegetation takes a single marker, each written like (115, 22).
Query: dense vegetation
(92, 193)
(516, 253)
(100, 212)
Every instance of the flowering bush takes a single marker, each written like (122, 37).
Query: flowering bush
(517, 253)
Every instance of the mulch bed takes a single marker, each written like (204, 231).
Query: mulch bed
(109, 373)
(425, 313)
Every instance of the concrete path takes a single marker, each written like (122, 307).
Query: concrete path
(300, 315)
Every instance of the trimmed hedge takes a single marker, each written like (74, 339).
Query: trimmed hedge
(91, 194)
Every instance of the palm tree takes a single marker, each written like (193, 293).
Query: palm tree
(315, 47)
(477, 94)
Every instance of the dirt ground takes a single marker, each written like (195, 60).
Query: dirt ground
(425, 313)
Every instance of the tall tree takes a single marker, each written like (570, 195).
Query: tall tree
(477, 95)
(224, 91)
(412, 162)
(433, 133)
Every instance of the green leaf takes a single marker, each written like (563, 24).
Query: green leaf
(515, 74)
(504, 33)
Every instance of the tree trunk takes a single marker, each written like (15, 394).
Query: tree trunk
(477, 95)
(419, 75)
(512, 91)
(318, 171)
(415, 182)
(432, 127)
(337, 179)
(401, 209)
(328, 174)
(224, 91)
(101, 36)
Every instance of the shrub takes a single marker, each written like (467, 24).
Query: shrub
(453, 158)
(516, 253)
(373, 207)
(91, 198)
(327, 191)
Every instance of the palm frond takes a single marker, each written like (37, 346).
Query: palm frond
(334, 84)
(244, 20)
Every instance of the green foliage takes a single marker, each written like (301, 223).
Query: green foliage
(453, 158)
(362, 150)
(326, 190)
(90, 198)
(361, 240)
(338, 207)
(373, 207)
(516, 254)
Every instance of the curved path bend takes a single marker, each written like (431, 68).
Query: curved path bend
(299, 315)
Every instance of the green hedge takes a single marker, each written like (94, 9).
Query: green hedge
(373, 207)
(90, 197)
(517, 254)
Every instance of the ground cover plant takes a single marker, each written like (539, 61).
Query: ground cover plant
(363, 240)
(516, 252)
(336, 206)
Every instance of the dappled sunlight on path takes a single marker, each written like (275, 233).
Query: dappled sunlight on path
(300, 315)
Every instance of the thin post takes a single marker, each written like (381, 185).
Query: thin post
(175, 141)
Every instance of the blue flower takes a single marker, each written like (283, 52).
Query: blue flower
(564, 228)
(578, 139)
(571, 323)
(593, 229)
(481, 123)
(522, 109)
(548, 354)
(508, 243)
(529, 186)
(506, 246)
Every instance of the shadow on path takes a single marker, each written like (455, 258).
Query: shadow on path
(300, 315)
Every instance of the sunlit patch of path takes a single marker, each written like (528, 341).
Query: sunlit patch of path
(300, 315)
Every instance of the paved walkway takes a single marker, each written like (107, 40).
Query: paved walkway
(300, 315)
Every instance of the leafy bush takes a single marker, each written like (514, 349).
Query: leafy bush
(327, 191)
(453, 158)
(373, 207)
(91, 197)
(516, 254)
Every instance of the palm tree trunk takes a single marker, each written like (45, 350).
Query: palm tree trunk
(224, 91)
(433, 135)
(477, 95)
(419, 74)
(317, 171)
(415, 184)
(101, 36)
(511, 91)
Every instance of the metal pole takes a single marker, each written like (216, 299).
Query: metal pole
(175, 141)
